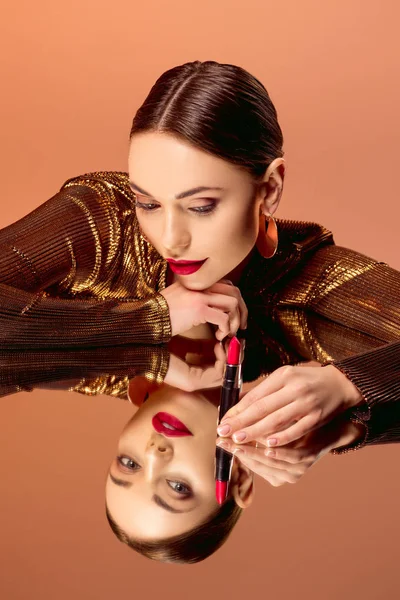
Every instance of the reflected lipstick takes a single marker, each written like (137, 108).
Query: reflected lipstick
(230, 391)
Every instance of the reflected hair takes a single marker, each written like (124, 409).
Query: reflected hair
(191, 547)
(219, 108)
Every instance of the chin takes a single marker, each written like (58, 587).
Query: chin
(195, 285)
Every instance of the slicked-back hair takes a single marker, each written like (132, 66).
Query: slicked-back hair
(190, 547)
(219, 108)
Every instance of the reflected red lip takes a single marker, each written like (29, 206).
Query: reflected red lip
(169, 425)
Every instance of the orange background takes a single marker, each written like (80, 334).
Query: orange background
(73, 73)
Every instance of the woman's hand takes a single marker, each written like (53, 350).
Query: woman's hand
(190, 377)
(289, 464)
(221, 305)
(290, 403)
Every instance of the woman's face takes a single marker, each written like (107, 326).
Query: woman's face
(160, 486)
(193, 206)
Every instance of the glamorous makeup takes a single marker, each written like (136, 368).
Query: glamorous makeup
(185, 267)
(169, 425)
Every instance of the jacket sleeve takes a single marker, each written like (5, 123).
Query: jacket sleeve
(364, 295)
(90, 371)
(70, 243)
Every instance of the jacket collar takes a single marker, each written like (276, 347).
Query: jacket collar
(297, 240)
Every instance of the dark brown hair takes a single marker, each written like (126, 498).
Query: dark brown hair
(192, 546)
(219, 108)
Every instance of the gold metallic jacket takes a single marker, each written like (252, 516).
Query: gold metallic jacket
(77, 278)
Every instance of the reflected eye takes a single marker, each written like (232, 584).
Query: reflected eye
(180, 488)
(128, 463)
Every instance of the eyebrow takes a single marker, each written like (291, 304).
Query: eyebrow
(182, 195)
(159, 501)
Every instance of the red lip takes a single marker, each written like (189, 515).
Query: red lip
(185, 267)
(162, 419)
(184, 262)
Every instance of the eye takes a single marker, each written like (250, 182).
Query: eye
(145, 206)
(180, 488)
(204, 210)
(128, 463)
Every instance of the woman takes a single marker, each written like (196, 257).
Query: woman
(160, 488)
(114, 259)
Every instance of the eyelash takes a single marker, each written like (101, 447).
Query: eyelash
(200, 210)
(187, 492)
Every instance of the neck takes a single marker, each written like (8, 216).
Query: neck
(236, 274)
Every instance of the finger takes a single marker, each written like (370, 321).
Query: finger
(221, 287)
(220, 354)
(192, 377)
(219, 318)
(269, 472)
(227, 304)
(289, 455)
(201, 378)
(250, 451)
(296, 431)
(267, 427)
(253, 453)
(276, 381)
(255, 414)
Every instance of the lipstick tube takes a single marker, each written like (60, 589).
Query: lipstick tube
(230, 391)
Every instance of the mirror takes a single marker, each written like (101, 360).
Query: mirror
(160, 486)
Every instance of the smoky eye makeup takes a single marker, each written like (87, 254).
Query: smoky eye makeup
(201, 210)
(180, 489)
(177, 489)
(149, 204)
(127, 464)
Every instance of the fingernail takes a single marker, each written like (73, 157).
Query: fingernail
(222, 444)
(272, 442)
(271, 453)
(237, 451)
(240, 436)
(224, 429)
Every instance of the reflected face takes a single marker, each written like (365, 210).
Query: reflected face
(161, 485)
(193, 206)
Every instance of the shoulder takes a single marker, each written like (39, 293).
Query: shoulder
(303, 235)
(315, 245)
(338, 260)
(329, 269)
(110, 185)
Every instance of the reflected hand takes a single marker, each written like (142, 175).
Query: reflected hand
(190, 377)
(290, 403)
(289, 464)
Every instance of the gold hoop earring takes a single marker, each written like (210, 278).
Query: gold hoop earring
(267, 240)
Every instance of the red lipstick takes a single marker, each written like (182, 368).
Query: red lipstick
(169, 425)
(233, 357)
(185, 267)
(230, 391)
(221, 490)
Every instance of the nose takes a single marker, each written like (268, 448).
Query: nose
(176, 235)
(159, 451)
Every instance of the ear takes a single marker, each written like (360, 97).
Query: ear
(139, 389)
(271, 186)
(242, 484)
